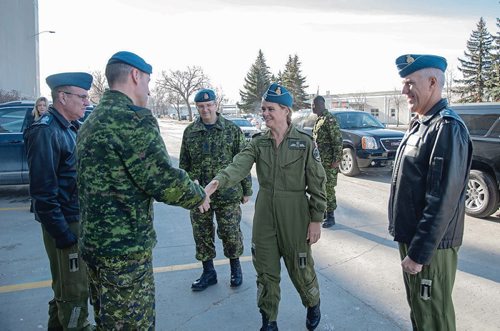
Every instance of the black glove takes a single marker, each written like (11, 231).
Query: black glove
(65, 240)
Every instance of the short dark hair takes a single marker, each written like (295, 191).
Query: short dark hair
(117, 73)
(319, 99)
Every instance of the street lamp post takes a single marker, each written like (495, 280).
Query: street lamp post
(37, 80)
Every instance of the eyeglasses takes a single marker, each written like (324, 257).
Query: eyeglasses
(84, 97)
(205, 106)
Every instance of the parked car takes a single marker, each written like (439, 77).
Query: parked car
(248, 129)
(483, 188)
(367, 144)
(15, 117)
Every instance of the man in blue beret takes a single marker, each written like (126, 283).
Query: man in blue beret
(209, 145)
(428, 189)
(51, 149)
(123, 166)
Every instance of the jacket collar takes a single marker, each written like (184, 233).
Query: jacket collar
(62, 121)
(441, 104)
(199, 126)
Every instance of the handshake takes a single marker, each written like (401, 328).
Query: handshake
(209, 190)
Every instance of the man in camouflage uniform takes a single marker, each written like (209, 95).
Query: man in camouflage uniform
(208, 145)
(326, 134)
(123, 166)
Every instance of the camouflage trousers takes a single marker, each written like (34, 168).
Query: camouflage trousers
(228, 229)
(331, 182)
(122, 291)
(69, 308)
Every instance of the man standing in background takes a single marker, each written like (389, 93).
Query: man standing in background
(209, 145)
(326, 134)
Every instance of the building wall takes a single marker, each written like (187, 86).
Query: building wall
(19, 68)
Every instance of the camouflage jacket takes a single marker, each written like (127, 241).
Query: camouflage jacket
(205, 152)
(122, 166)
(326, 134)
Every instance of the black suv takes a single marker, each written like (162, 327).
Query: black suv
(367, 144)
(15, 117)
(483, 122)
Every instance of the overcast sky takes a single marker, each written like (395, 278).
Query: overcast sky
(344, 45)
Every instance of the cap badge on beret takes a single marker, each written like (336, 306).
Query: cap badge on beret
(278, 90)
(409, 59)
(205, 96)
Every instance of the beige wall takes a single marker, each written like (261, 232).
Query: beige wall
(19, 67)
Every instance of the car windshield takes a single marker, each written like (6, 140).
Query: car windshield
(241, 122)
(357, 120)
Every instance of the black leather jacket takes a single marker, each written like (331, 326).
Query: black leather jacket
(50, 145)
(428, 187)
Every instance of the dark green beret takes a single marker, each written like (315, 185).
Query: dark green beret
(204, 95)
(131, 59)
(278, 94)
(409, 63)
(78, 79)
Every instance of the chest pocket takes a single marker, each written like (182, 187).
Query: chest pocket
(292, 170)
(412, 145)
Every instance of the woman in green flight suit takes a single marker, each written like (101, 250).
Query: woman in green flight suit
(289, 206)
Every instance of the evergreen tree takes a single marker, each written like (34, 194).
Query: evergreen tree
(293, 80)
(256, 83)
(476, 67)
(493, 83)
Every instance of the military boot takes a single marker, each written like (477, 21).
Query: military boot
(313, 317)
(266, 325)
(208, 277)
(330, 219)
(236, 274)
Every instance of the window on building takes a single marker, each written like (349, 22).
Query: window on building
(374, 112)
(393, 112)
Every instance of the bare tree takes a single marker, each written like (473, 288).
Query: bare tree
(183, 83)
(12, 95)
(448, 88)
(175, 101)
(99, 85)
(359, 101)
(396, 99)
(221, 98)
(159, 101)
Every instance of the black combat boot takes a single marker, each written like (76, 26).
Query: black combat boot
(236, 274)
(208, 277)
(313, 317)
(330, 219)
(266, 325)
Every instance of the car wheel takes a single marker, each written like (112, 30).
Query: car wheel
(482, 194)
(349, 164)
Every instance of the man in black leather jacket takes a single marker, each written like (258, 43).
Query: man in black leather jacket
(51, 148)
(428, 188)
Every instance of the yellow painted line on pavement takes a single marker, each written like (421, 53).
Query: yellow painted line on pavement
(179, 267)
(14, 208)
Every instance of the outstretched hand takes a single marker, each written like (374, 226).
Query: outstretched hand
(211, 187)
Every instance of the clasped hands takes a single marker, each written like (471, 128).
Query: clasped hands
(209, 190)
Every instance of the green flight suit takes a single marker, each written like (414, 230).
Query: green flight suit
(328, 138)
(291, 195)
(204, 151)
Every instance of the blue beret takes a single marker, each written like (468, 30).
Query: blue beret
(278, 94)
(204, 95)
(409, 63)
(131, 59)
(78, 79)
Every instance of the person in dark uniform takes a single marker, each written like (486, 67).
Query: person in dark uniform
(289, 208)
(51, 149)
(428, 189)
